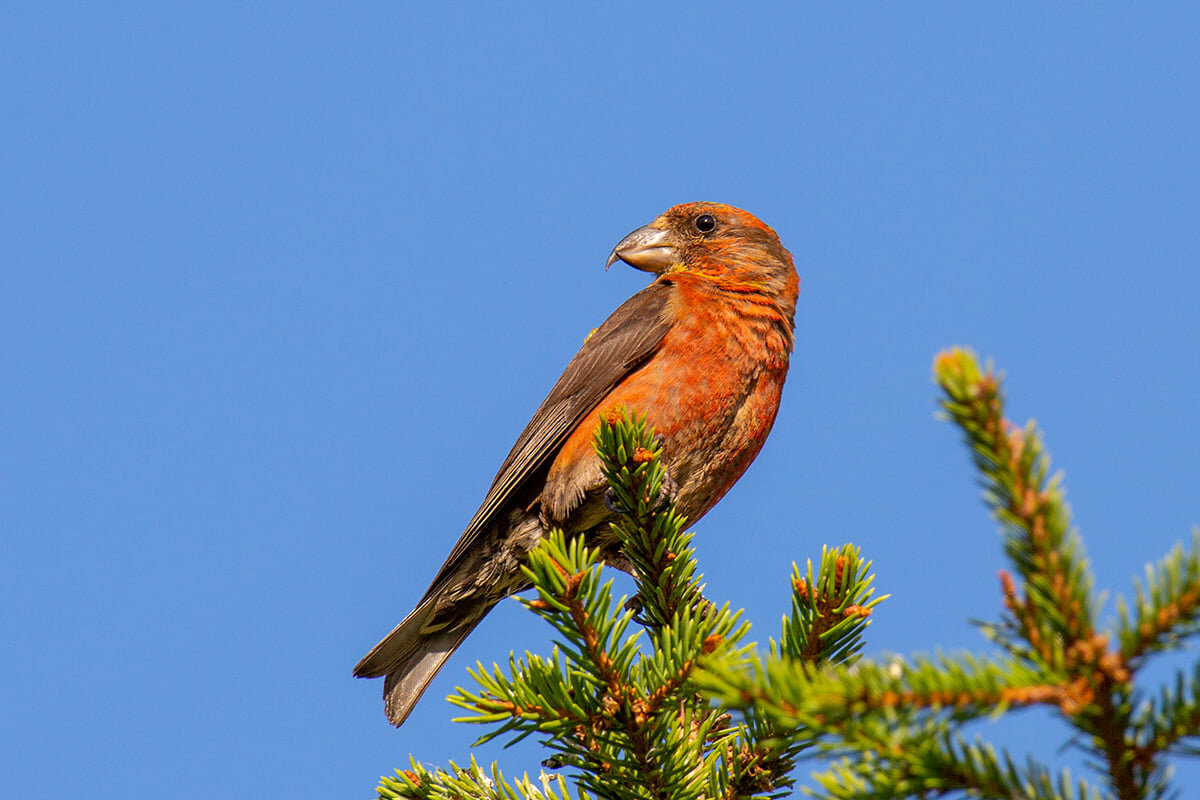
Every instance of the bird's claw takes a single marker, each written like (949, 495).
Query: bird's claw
(703, 607)
(610, 501)
(635, 604)
(667, 492)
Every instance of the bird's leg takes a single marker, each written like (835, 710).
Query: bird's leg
(667, 492)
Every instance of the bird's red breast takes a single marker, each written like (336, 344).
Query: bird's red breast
(713, 386)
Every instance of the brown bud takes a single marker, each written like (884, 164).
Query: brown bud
(640, 711)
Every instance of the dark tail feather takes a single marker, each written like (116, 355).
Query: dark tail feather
(410, 658)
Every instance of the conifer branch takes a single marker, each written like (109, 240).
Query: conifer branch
(629, 459)
(1166, 723)
(830, 613)
(614, 714)
(1166, 606)
(1055, 600)
(957, 688)
(946, 765)
(691, 711)
(1053, 611)
(472, 782)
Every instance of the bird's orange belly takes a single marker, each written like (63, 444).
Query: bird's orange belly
(713, 417)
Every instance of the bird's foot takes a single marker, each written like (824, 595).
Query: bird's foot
(667, 493)
(610, 502)
(636, 604)
(704, 608)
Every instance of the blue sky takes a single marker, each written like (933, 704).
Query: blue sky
(280, 285)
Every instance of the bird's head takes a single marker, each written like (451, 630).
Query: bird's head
(717, 242)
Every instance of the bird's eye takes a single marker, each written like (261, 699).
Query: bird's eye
(706, 223)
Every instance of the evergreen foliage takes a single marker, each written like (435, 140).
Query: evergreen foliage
(616, 701)
(661, 696)
(895, 728)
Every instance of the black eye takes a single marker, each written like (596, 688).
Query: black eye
(706, 223)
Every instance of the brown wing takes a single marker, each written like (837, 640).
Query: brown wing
(626, 339)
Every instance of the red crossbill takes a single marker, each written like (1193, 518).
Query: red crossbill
(702, 352)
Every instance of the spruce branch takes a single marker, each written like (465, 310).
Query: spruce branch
(473, 782)
(1171, 721)
(947, 765)
(830, 613)
(1054, 602)
(896, 725)
(1166, 605)
(689, 710)
(618, 710)
(662, 562)
(1051, 618)
(912, 692)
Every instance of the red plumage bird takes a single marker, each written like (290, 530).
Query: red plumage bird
(702, 352)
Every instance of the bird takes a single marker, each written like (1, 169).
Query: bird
(702, 353)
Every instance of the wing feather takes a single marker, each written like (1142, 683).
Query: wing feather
(626, 339)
